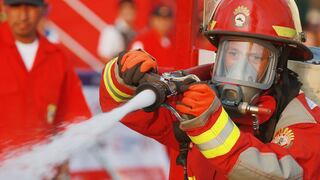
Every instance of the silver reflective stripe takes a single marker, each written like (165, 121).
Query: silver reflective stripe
(294, 113)
(220, 139)
(202, 119)
(252, 164)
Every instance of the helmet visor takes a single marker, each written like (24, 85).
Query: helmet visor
(245, 62)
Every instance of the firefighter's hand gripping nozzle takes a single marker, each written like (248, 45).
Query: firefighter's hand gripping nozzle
(166, 85)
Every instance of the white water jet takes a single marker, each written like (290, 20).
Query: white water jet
(39, 163)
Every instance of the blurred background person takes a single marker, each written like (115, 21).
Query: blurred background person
(2, 17)
(310, 20)
(40, 90)
(114, 39)
(313, 27)
(156, 39)
(2, 14)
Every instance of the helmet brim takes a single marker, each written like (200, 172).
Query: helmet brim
(298, 51)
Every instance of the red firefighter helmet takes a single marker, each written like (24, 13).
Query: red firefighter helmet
(276, 21)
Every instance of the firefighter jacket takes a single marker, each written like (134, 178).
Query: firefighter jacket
(224, 150)
(34, 103)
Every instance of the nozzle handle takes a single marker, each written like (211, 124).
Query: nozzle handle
(159, 88)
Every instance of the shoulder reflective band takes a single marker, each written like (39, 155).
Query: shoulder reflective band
(219, 139)
(114, 92)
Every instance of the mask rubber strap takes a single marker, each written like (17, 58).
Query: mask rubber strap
(286, 89)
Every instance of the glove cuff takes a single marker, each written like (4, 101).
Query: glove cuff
(114, 84)
(201, 120)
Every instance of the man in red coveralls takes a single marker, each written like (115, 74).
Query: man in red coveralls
(39, 88)
(156, 40)
(249, 120)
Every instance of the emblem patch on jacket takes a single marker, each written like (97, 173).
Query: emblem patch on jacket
(284, 137)
(51, 113)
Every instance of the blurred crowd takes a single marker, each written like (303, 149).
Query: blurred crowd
(124, 30)
(153, 29)
(155, 38)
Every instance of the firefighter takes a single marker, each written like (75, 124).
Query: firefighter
(157, 39)
(40, 90)
(249, 120)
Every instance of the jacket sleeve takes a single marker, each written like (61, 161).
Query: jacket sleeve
(114, 92)
(72, 105)
(291, 154)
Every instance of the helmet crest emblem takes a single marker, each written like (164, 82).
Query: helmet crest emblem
(241, 16)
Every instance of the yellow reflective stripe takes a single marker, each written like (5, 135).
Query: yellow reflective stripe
(285, 31)
(114, 92)
(225, 147)
(192, 178)
(113, 86)
(212, 25)
(106, 83)
(214, 131)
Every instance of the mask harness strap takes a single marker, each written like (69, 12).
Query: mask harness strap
(286, 88)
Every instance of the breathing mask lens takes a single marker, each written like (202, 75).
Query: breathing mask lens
(245, 62)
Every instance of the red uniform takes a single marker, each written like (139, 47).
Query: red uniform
(235, 152)
(33, 103)
(156, 46)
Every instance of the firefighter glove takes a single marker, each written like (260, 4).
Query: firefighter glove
(199, 102)
(196, 100)
(134, 65)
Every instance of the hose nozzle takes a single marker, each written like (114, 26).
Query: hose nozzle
(169, 84)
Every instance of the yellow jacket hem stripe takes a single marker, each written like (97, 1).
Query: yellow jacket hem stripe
(214, 131)
(115, 93)
(225, 147)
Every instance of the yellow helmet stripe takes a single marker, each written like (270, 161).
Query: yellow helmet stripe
(285, 31)
(212, 25)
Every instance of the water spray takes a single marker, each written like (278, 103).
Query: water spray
(40, 162)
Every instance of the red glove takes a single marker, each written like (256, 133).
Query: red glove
(133, 66)
(196, 100)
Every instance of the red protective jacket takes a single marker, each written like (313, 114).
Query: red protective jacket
(33, 103)
(236, 153)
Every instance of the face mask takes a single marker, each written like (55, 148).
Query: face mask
(242, 71)
(245, 62)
